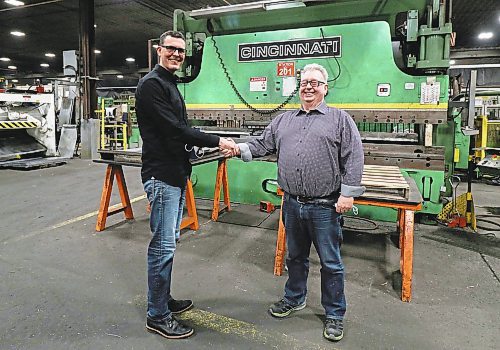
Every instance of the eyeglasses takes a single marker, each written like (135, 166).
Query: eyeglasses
(172, 49)
(314, 83)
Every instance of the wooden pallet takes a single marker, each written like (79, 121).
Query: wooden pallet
(384, 181)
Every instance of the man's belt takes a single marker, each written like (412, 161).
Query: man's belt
(328, 200)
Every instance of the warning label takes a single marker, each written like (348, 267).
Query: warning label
(258, 84)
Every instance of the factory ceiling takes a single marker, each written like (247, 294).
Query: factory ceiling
(123, 27)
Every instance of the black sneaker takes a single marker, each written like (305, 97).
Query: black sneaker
(169, 328)
(179, 306)
(334, 329)
(282, 308)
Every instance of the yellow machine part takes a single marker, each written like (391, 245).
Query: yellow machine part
(459, 207)
(456, 155)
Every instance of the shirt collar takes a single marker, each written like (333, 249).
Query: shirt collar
(166, 74)
(322, 108)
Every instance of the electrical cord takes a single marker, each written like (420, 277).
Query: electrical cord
(375, 225)
(336, 60)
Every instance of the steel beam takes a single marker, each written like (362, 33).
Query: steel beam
(87, 58)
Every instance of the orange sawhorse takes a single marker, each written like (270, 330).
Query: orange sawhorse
(112, 171)
(406, 214)
(191, 220)
(221, 180)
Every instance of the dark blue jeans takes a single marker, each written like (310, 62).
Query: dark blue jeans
(306, 223)
(167, 203)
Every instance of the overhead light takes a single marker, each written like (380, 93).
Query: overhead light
(15, 81)
(156, 46)
(49, 54)
(97, 51)
(119, 76)
(14, 2)
(44, 64)
(17, 33)
(130, 59)
(4, 59)
(12, 67)
(95, 25)
(452, 62)
(485, 35)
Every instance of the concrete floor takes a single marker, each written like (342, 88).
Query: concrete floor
(64, 286)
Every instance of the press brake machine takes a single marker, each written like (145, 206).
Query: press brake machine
(387, 63)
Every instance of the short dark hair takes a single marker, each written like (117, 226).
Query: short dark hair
(173, 34)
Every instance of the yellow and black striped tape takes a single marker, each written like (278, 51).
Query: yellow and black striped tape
(17, 125)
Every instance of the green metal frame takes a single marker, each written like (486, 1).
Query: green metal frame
(367, 28)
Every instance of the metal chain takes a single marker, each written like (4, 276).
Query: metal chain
(242, 99)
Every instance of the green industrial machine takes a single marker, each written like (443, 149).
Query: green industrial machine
(387, 63)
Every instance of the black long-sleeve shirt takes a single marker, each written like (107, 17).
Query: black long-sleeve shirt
(163, 124)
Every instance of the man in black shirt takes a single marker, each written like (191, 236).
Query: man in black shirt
(167, 141)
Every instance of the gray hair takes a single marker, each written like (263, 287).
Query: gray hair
(316, 67)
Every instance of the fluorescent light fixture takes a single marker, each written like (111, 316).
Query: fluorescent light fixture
(12, 67)
(452, 62)
(49, 54)
(97, 51)
(156, 46)
(485, 35)
(130, 59)
(17, 33)
(44, 64)
(4, 59)
(119, 76)
(15, 81)
(14, 2)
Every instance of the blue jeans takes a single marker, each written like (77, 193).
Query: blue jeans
(306, 223)
(167, 203)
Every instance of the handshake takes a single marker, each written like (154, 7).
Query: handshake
(228, 147)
